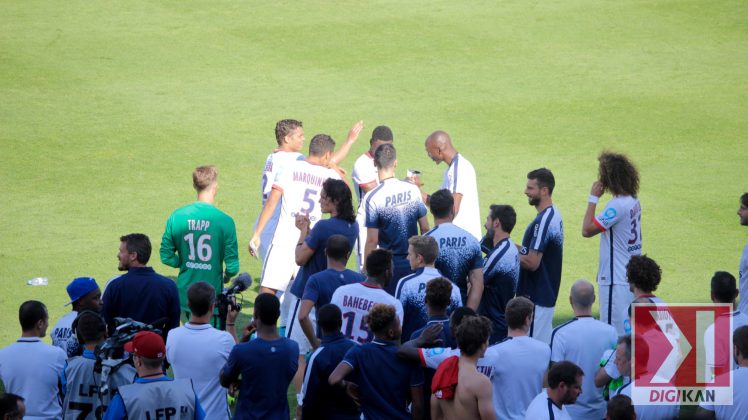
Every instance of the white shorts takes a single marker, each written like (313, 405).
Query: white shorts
(542, 324)
(293, 326)
(358, 248)
(279, 267)
(615, 311)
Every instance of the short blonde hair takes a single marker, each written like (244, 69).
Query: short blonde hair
(204, 176)
(426, 247)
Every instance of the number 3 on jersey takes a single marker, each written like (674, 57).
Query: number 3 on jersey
(635, 230)
(203, 249)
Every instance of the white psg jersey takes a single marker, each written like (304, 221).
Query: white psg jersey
(274, 165)
(620, 240)
(301, 184)
(460, 178)
(355, 301)
(364, 172)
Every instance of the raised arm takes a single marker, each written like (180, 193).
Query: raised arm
(303, 252)
(343, 150)
(589, 227)
(410, 350)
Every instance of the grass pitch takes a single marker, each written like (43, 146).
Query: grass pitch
(105, 109)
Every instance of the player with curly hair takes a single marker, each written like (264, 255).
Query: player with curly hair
(620, 226)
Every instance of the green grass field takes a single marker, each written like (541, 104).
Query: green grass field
(106, 107)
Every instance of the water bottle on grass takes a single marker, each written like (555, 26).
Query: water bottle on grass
(38, 281)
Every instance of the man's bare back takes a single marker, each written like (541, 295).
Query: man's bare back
(473, 398)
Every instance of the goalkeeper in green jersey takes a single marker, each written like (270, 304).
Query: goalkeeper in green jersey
(199, 238)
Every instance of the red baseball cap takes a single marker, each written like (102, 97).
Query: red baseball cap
(147, 344)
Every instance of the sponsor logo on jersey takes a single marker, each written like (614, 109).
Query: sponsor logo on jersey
(635, 247)
(435, 351)
(198, 266)
(609, 215)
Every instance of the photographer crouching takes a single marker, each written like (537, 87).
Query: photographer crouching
(86, 393)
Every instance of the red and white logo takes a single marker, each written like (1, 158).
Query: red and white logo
(681, 354)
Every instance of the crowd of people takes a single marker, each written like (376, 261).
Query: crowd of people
(446, 321)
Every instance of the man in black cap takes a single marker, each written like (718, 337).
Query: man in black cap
(85, 295)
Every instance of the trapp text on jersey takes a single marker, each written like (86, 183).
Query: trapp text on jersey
(202, 225)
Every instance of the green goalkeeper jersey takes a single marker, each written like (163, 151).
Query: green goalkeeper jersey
(198, 240)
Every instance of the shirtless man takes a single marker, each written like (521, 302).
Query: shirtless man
(471, 394)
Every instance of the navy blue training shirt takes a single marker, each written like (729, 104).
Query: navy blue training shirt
(317, 240)
(143, 295)
(321, 286)
(545, 234)
(459, 253)
(321, 400)
(267, 368)
(383, 378)
(394, 208)
(500, 277)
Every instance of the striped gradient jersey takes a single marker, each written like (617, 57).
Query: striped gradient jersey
(411, 291)
(545, 234)
(500, 277)
(459, 253)
(394, 207)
